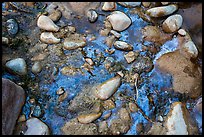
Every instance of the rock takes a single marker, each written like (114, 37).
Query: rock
(17, 66)
(162, 11)
(69, 70)
(73, 127)
(89, 61)
(118, 126)
(49, 38)
(36, 127)
(12, 26)
(109, 40)
(157, 129)
(130, 56)
(116, 34)
(88, 118)
(5, 40)
(107, 24)
(156, 35)
(119, 20)
(109, 62)
(109, 6)
(130, 4)
(46, 23)
(198, 106)
(182, 32)
(165, 3)
(190, 48)
(103, 128)
(120, 73)
(172, 23)
(38, 48)
(22, 118)
(92, 15)
(186, 75)
(146, 4)
(121, 45)
(108, 104)
(124, 114)
(55, 15)
(104, 32)
(179, 122)
(62, 97)
(39, 57)
(13, 99)
(74, 41)
(133, 107)
(107, 88)
(37, 67)
(37, 112)
(107, 114)
(60, 91)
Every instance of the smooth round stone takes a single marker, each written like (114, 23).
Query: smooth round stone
(190, 47)
(182, 32)
(172, 23)
(18, 66)
(37, 67)
(49, 38)
(92, 15)
(119, 20)
(55, 15)
(121, 45)
(109, 6)
(46, 23)
(130, 4)
(12, 26)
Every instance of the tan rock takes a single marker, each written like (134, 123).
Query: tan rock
(121, 45)
(109, 6)
(108, 104)
(49, 38)
(130, 56)
(55, 15)
(88, 118)
(124, 114)
(46, 23)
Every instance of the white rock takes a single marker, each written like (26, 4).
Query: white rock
(146, 4)
(36, 68)
(191, 49)
(162, 11)
(130, 56)
(107, 88)
(130, 4)
(18, 66)
(49, 38)
(36, 127)
(46, 23)
(109, 6)
(121, 45)
(92, 15)
(119, 20)
(164, 3)
(172, 23)
(115, 33)
(182, 32)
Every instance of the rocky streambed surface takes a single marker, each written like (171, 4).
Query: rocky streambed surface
(101, 68)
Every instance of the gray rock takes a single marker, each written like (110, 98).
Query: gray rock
(36, 68)
(17, 66)
(13, 98)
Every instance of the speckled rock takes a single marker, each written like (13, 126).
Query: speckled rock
(109, 6)
(108, 104)
(46, 23)
(49, 38)
(162, 11)
(17, 66)
(119, 20)
(121, 45)
(172, 23)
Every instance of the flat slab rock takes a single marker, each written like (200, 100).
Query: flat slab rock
(13, 98)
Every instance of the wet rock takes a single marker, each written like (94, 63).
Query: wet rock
(172, 23)
(142, 64)
(130, 4)
(103, 128)
(124, 114)
(12, 26)
(179, 121)
(92, 15)
(37, 67)
(116, 34)
(49, 38)
(55, 15)
(74, 41)
(182, 32)
(38, 48)
(121, 45)
(60, 91)
(186, 75)
(5, 40)
(46, 23)
(73, 127)
(13, 99)
(109, 6)
(118, 126)
(17, 66)
(108, 104)
(36, 127)
(39, 57)
(107, 88)
(133, 107)
(130, 56)
(146, 4)
(88, 118)
(119, 20)
(109, 40)
(162, 11)
(156, 35)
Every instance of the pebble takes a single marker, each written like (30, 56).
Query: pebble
(191, 49)
(22, 118)
(115, 33)
(5, 40)
(107, 24)
(32, 100)
(146, 4)
(109, 6)
(133, 107)
(160, 119)
(62, 97)
(38, 48)
(107, 115)
(92, 15)
(88, 118)
(121, 45)
(162, 11)
(55, 15)
(107, 88)
(39, 57)
(36, 127)
(165, 3)
(120, 73)
(103, 128)
(104, 32)
(110, 40)
(182, 32)
(89, 61)
(74, 41)
(130, 4)
(46, 23)
(130, 57)
(49, 38)
(60, 91)
(37, 112)
(18, 66)
(12, 26)
(124, 114)
(108, 104)
(172, 23)
(37, 67)
(119, 20)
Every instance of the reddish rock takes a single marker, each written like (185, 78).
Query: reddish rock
(13, 98)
